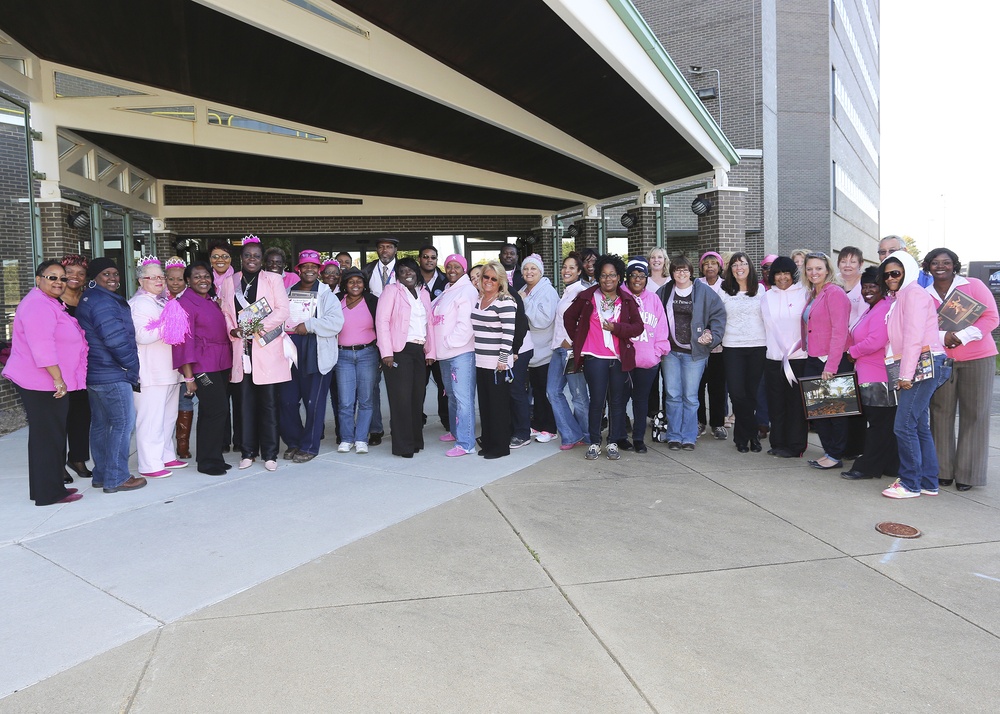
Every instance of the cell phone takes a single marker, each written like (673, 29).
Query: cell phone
(204, 380)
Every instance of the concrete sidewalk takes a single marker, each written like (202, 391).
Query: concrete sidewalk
(673, 581)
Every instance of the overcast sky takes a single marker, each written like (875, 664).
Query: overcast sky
(939, 92)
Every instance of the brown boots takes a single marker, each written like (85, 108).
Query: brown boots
(184, 434)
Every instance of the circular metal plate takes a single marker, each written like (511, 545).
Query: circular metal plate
(897, 530)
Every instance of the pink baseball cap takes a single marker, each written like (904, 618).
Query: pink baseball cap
(768, 260)
(308, 256)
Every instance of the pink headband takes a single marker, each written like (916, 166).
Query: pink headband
(250, 239)
(148, 260)
(330, 261)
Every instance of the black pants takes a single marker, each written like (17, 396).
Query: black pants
(744, 369)
(637, 388)
(494, 411)
(542, 418)
(714, 380)
(212, 429)
(78, 425)
(832, 432)
(881, 454)
(335, 403)
(405, 387)
(234, 419)
(442, 397)
(259, 412)
(789, 430)
(46, 445)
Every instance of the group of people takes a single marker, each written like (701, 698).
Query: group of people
(261, 350)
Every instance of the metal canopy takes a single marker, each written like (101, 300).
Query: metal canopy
(590, 134)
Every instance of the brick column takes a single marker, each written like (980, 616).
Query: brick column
(642, 234)
(58, 238)
(543, 245)
(723, 229)
(589, 232)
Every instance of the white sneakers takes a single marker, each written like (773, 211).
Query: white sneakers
(344, 447)
(360, 447)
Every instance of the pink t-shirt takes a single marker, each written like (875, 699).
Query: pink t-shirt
(359, 327)
(599, 342)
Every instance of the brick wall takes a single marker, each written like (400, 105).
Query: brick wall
(642, 234)
(722, 229)
(352, 224)
(198, 196)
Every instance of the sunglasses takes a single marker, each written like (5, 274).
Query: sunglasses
(489, 278)
(54, 278)
(894, 274)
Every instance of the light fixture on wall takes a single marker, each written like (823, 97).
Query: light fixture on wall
(628, 220)
(573, 231)
(710, 92)
(78, 220)
(701, 205)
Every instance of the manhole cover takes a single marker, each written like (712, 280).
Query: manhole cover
(897, 530)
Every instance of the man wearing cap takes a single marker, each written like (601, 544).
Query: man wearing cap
(382, 272)
(435, 282)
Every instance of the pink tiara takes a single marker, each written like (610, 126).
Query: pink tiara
(174, 262)
(250, 239)
(147, 260)
(330, 261)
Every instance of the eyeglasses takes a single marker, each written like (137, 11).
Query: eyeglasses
(54, 278)
(222, 256)
(682, 270)
(885, 251)
(489, 278)
(157, 278)
(894, 274)
(612, 276)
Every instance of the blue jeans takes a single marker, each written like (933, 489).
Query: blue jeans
(606, 382)
(640, 384)
(310, 390)
(682, 375)
(112, 419)
(357, 373)
(520, 402)
(571, 423)
(459, 376)
(918, 464)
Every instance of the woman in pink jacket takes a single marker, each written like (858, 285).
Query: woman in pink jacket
(650, 346)
(48, 359)
(913, 327)
(268, 365)
(401, 330)
(451, 328)
(971, 387)
(156, 402)
(824, 337)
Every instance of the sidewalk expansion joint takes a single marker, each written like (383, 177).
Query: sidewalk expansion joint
(142, 674)
(576, 610)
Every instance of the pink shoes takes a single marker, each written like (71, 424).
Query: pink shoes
(175, 464)
(446, 437)
(162, 473)
(567, 447)
(456, 450)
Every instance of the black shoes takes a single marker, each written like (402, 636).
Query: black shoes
(375, 438)
(853, 475)
(755, 446)
(962, 487)
(624, 444)
(743, 448)
(640, 447)
(80, 467)
(945, 481)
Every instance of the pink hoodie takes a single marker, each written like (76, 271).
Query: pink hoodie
(654, 342)
(451, 319)
(912, 320)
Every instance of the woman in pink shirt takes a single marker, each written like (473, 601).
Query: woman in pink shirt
(913, 328)
(401, 328)
(971, 387)
(869, 338)
(824, 337)
(48, 359)
(650, 346)
(357, 368)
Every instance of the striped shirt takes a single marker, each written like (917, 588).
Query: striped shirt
(493, 330)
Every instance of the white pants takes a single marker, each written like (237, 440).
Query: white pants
(155, 416)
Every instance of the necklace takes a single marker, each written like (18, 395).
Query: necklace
(607, 303)
(246, 290)
(351, 303)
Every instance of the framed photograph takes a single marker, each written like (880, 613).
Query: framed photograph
(834, 397)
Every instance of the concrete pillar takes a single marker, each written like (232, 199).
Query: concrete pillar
(722, 229)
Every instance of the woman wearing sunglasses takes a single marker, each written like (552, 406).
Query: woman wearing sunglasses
(913, 328)
(493, 319)
(48, 358)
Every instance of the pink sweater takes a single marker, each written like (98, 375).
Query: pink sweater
(654, 342)
(44, 336)
(987, 322)
(825, 335)
(392, 319)
(912, 326)
(270, 366)
(451, 319)
(870, 336)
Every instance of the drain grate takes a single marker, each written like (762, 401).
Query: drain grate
(897, 530)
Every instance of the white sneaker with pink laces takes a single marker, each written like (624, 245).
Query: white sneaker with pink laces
(898, 490)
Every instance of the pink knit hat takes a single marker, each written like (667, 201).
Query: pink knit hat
(456, 258)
